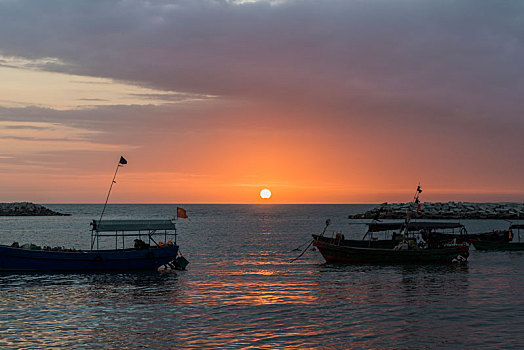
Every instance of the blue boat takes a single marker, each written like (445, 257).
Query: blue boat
(148, 253)
(142, 256)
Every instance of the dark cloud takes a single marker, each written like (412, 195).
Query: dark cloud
(427, 50)
(29, 138)
(92, 99)
(170, 97)
(24, 127)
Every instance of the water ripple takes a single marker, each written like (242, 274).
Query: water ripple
(240, 291)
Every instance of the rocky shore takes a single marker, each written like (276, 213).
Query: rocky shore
(26, 209)
(449, 210)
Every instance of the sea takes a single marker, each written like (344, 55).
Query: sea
(241, 289)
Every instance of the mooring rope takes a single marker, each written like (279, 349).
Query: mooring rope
(305, 250)
(300, 246)
(328, 222)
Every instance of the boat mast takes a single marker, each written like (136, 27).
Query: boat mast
(121, 162)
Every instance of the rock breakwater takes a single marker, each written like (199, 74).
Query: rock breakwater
(449, 210)
(26, 209)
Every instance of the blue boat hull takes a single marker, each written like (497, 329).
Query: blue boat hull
(17, 259)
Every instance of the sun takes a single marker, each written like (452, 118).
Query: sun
(265, 194)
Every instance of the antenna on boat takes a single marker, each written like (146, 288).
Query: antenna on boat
(121, 162)
(416, 201)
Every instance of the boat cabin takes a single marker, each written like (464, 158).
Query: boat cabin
(145, 232)
(428, 230)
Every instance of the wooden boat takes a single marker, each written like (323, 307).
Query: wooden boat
(415, 243)
(502, 236)
(346, 253)
(143, 256)
(487, 244)
(439, 247)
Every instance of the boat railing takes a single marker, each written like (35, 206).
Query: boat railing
(393, 230)
(133, 228)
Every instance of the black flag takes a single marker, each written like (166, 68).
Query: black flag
(122, 160)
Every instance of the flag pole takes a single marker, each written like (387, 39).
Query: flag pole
(120, 163)
(408, 214)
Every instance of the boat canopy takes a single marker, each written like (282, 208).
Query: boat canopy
(412, 226)
(132, 225)
(517, 226)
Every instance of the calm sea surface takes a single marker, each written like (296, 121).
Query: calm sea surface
(240, 291)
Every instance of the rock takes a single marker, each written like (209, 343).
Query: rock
(26, 209)
(449, 210)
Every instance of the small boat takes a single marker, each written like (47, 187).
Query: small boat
(401, 253)
(501, 244)
(425, 244)
(142, 256)
(148, 255)
(416, 243)
(502, 236)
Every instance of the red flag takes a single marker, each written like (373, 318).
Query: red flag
(181, 213)
(419, 207)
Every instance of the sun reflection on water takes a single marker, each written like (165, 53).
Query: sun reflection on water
(240, 291)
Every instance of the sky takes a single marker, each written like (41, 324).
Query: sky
(331, 101)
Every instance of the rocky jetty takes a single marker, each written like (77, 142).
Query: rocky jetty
(26, 209)
(449, 210)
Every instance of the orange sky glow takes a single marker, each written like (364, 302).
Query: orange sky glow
(213, 103)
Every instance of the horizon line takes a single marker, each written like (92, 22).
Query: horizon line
(254, 203)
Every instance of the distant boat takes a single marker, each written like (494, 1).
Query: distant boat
(145, 255)
(415, 243)
(502, 244)
(440, 231)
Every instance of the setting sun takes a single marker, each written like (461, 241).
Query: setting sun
(265, 194)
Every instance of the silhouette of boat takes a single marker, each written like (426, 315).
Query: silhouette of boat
(422, 243)
(415, 243)
(497, 243)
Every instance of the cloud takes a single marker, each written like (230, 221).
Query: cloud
(460, 55)
(457, 55)
(23, 86)
(22, 138)
(436, 83)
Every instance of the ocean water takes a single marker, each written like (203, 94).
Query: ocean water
(241, 291)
